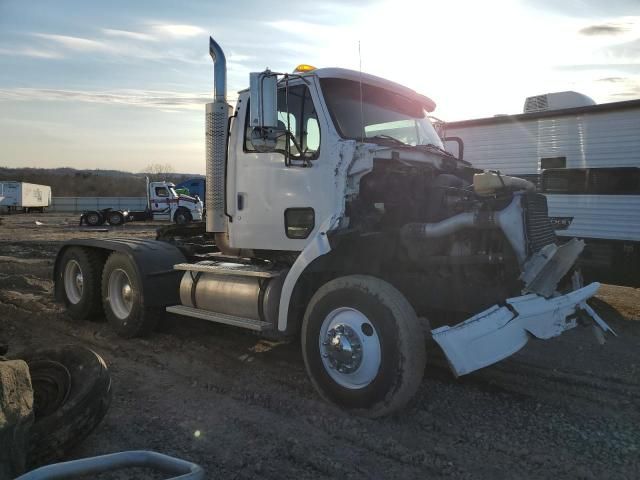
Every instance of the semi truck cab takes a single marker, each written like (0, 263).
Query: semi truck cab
(334, 213)
(165, 203)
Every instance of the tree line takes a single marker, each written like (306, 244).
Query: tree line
(69, 182)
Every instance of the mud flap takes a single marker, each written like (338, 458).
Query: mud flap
(499, 332)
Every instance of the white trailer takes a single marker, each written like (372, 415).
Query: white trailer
(584, 157)
(25, 197)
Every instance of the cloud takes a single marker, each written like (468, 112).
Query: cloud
(177, 31)
(612, 79)
(137, 98)
(129, 35)
(75, 43)
(30, 52)
(605, 29)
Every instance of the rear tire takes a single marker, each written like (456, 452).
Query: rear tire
(78, 280)
(94, 218)
(123, 300)
(115, 218)
(363, 345)
(72, 393)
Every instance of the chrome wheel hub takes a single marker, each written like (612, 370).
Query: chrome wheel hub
(73, 281)
(350, 348)
(343, 349)
(120, 294)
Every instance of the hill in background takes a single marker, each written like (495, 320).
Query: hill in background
(69, 182)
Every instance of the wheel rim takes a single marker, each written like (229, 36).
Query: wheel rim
(73, 281)
(115, 219)
(350, 348)
(120, 294)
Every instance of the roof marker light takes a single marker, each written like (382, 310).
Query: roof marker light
(304, 68)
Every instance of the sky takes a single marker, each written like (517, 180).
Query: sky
(122, 84)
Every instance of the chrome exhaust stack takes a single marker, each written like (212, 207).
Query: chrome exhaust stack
(217, 118)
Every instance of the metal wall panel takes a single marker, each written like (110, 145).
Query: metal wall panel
(80, 204)
(598, 139)
(615, 217)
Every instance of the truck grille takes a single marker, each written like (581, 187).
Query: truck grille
(538, 229)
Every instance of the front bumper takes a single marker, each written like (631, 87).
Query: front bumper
(499, 332)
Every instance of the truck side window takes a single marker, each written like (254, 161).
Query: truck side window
(302, 123)
(162, 192)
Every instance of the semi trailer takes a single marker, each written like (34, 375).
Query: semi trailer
(334, 213)
(24, 197)
(585, 158)
(163, 203)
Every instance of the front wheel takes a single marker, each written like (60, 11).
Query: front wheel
(182, 216)
(363, 345)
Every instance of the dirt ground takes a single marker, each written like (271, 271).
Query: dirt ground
(243, 407)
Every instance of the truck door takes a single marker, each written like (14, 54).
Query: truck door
(273, 204)
(160, 201)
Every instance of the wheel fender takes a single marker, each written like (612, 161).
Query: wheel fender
(318, 246)
(153, 260)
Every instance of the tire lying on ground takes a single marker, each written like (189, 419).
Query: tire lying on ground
(78, 283)
(363, 345)
(122, 298)
(72, 393)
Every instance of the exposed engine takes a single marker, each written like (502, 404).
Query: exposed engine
(449, 234)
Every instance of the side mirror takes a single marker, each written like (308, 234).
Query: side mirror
(263, 117)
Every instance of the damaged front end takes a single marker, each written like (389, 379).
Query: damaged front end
(541, 311)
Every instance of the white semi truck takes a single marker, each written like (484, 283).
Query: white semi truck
(163, 203)
(334, 213)
(24, 197)
(585, 158)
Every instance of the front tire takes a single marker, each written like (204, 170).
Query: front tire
(363, 345)
(123, 300)
(182, 216)
(78, 280)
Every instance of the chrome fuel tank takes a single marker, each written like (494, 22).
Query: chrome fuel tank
(247, 297)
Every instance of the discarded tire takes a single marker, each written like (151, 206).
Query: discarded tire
(72, 393)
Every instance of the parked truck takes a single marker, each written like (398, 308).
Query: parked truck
(585, 157)
(24, 197)
(334, 213)
(163, 203)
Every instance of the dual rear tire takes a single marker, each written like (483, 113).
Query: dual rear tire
(90, 289)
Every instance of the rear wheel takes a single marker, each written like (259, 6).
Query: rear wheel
(78, 279)
(123, 300)
(182, 216)
(363, 345)
(115, 218)
(93, 219)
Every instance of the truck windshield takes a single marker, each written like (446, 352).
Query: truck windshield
(385, 115)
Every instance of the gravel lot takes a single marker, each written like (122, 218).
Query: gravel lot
(243, 407)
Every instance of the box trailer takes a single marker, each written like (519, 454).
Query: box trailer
(24, 197)
(585, 157)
